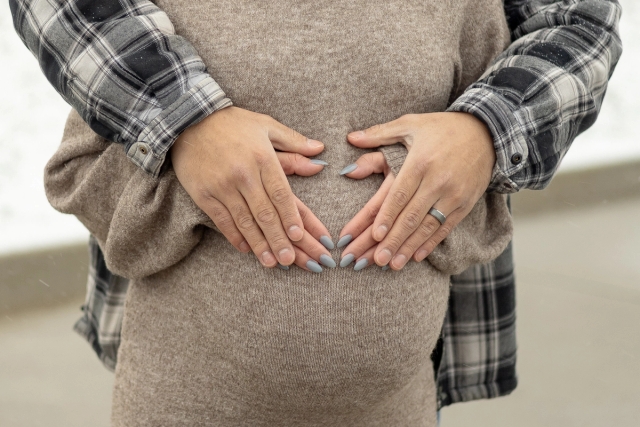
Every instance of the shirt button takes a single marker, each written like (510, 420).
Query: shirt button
(516, 158)
(143, 148)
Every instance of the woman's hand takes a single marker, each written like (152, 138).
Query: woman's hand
(448, 167)
(228, 165)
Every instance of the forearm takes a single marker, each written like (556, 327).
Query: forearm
(123, 68)
(546, 88)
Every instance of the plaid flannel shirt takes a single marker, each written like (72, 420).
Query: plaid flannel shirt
(121, 65)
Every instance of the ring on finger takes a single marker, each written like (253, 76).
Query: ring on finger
(438, 215)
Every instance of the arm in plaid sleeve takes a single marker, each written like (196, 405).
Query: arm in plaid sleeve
(546, 88)
(120, 64)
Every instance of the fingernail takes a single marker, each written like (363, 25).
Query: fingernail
(319, 162)
(314, 266)
(314, 144)
(344, 240)
(380, 232)
(295, 233)
(347, 259)
(383, 257)
(348, 169)
(267, 258)
(385, 267)
(361, 264)
(284, 253)
(327, 242)
(244, 246)
(399, 260)
(283, 267)
(422, 254)
(326, 260)
(356, 134)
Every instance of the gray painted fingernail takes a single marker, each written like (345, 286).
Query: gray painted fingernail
(319, 162)
(344, 240)
(385, 267)
(283, 267)
(348, 169)
(326, 260)
(348, 259)
(327, 242)
(361, 264)
(314, 266)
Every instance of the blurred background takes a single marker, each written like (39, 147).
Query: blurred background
(577, 261)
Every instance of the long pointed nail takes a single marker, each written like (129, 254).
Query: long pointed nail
(319, 162)
(283, 267)
(344, 240)
(314, 266)
(348, 169)
(327, 242)
(361, 264)
(327, 261)
(347, 259)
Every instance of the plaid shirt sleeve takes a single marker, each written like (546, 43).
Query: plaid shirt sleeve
(546, 87)
(120, 64)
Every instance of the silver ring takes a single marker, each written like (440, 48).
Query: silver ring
(438, 215)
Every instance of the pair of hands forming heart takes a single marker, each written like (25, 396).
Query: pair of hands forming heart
(448, 166)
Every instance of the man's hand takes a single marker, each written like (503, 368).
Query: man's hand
(228, 165)
(448, 167)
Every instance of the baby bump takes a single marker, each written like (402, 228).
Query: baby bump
(270, 337)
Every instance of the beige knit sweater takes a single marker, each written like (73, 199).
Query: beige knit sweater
(210, 337)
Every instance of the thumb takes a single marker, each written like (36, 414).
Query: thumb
(284, 138)
(382, 134)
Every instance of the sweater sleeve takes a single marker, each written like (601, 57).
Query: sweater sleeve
(121, 65)
(131, 213)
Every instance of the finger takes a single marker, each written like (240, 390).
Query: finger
(313, 225)
(221, 217)
(246, 224)
(382, 134)
(426, 231)
(277, 188)
(443, 231)
(365, 260)
(284, 138)
(305, 262)
(365, 217)
(357, 248)
(313, 249)
(267, 218)
(413, 218)
(366, 165)
(400, 194)
(294, 163)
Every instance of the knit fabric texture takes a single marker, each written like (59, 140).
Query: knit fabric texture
(210, 337)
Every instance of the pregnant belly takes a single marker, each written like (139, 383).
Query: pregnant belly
(286, 340)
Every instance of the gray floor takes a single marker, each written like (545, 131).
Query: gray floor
(579, 363)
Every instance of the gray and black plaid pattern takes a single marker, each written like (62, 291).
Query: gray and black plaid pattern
(545, 89)
(120, 64)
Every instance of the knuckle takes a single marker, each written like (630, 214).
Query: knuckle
(245, 222)
(400, 198)
(239, 174)
(266, 215)
(394, 242)
(375, 129)
(280, 195)
(412, 220)
(426, 229)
